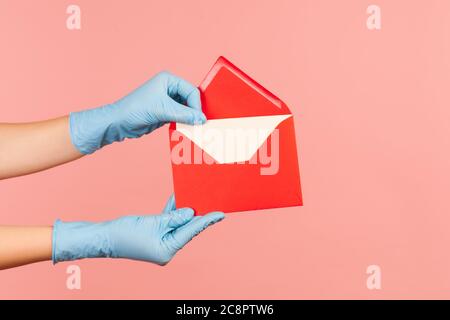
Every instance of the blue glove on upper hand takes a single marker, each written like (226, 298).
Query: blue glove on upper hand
(164, 98)
(151, 238)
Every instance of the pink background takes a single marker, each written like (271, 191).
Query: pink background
(373, 124)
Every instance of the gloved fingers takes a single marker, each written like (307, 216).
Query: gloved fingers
(170, 204)
(187, 91)
(180, 217)
(185, 233)
(177, 112)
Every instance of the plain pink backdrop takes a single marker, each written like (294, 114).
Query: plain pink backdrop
(373, 125)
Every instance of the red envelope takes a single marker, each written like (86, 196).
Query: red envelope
(244, 157)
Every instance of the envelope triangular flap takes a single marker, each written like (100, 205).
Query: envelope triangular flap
(227, 92)
(232, 140)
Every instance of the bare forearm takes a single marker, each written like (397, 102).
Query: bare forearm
(30, 147)
(24, 245)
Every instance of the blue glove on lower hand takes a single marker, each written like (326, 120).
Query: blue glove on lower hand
(149, 238)
(164, 98)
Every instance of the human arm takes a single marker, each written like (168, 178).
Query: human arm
(31, 147)
(150, 238)
(24, 245)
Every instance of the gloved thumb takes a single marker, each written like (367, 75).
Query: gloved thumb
(178, 112)
(170, 205)
(180, 217)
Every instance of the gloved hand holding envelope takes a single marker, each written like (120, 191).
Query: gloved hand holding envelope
(244, 157)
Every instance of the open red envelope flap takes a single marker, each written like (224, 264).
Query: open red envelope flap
(211, 168)
(227, 92)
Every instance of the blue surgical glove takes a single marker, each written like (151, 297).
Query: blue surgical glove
(151, 238)
(164, 98)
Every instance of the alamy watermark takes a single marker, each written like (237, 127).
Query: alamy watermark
(73, 281)
(240, 146)
(373, 281)
(73, 21)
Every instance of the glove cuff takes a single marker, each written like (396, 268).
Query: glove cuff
(92, 129)
(78, 240)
